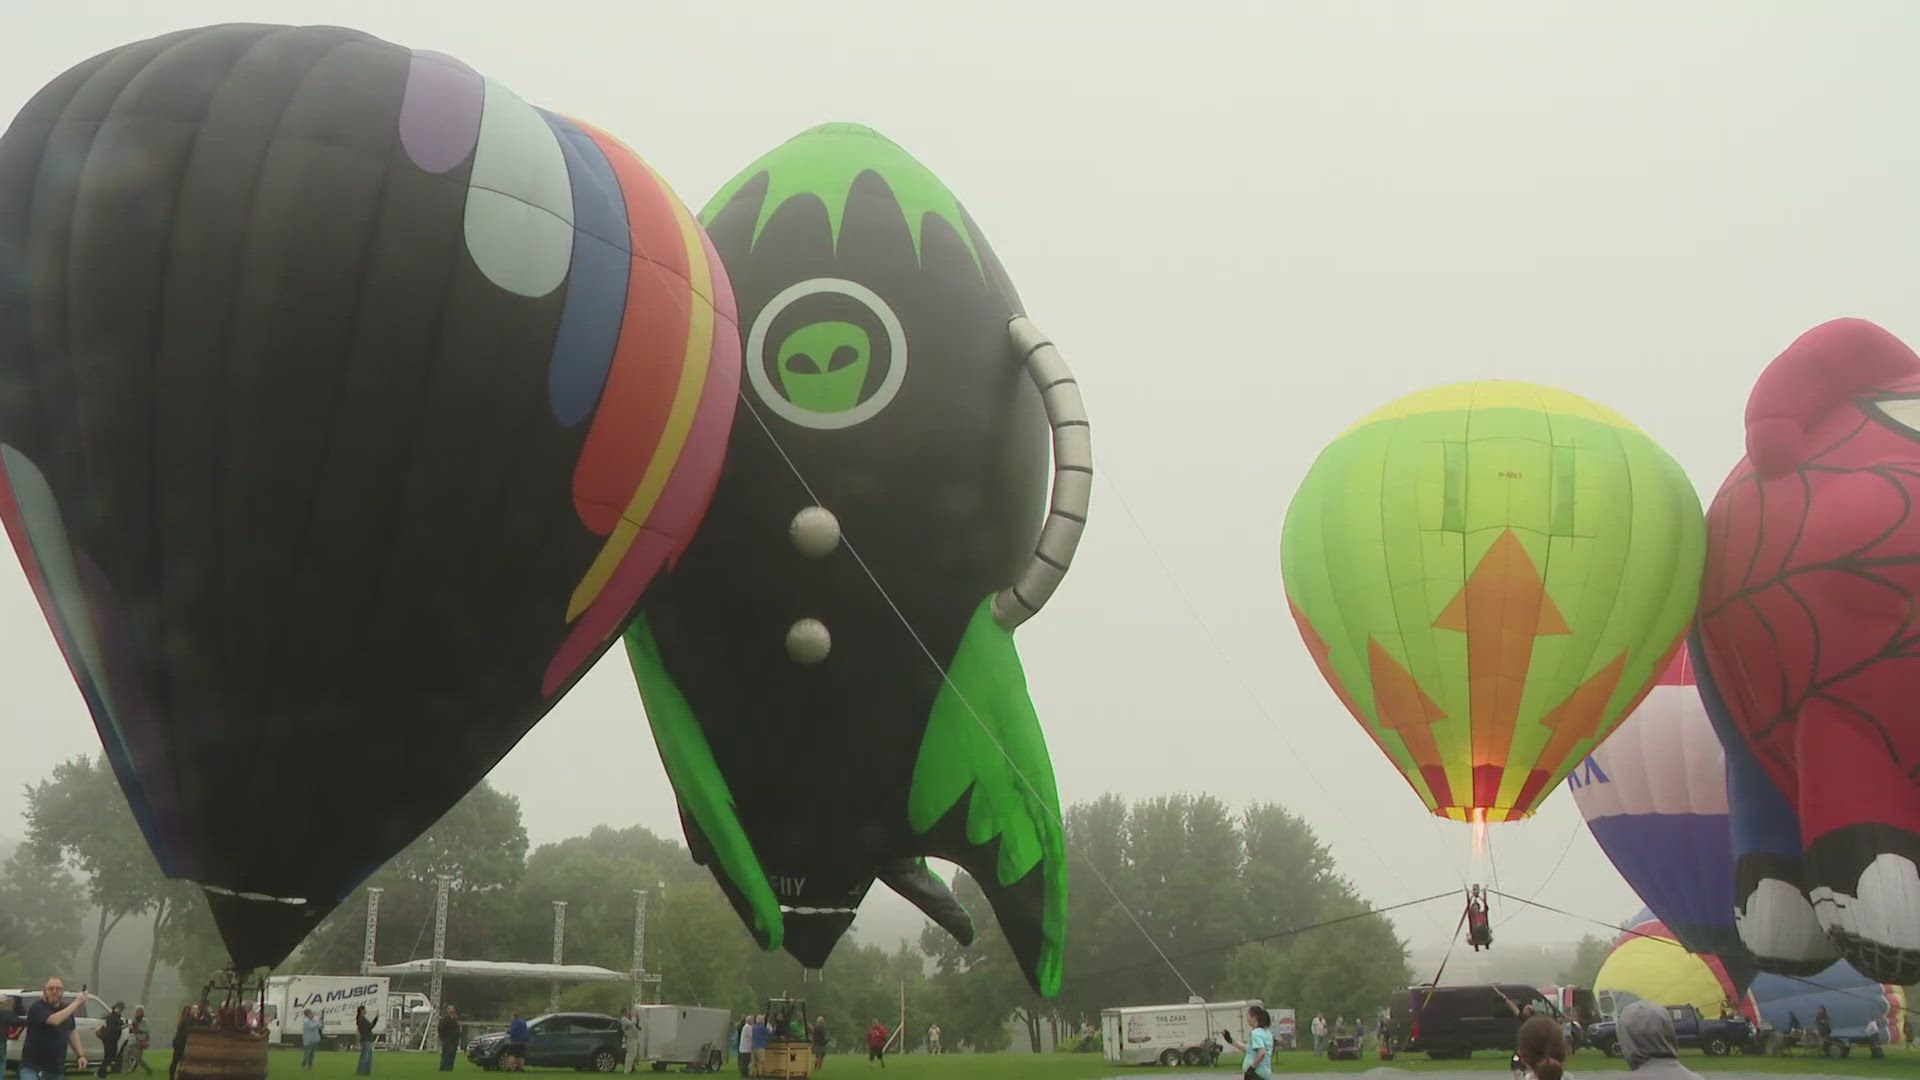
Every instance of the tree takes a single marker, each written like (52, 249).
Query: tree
(190, 940)
(1173, 896)
(1588, 955)
(40, 913)
(1344, 969)
(978, 986)
(80, 815)
(481, 846)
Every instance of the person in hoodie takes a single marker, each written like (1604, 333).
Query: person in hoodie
(1647, 1042)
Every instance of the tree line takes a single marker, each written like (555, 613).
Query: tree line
(1170, 896)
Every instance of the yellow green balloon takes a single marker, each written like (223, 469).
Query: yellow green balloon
(1491, 575)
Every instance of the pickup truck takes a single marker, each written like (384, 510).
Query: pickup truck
(1690, 1029)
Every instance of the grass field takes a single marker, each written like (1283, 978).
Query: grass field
(415, 1066)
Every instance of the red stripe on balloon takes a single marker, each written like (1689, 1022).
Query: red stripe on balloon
(648, 358)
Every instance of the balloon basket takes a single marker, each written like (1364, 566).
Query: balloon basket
(223, 1054)
(784, 1061)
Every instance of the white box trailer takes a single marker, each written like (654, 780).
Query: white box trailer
(1172, 1034)
(685, 1035)
(333, 999)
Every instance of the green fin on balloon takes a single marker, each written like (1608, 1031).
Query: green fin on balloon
(983, 744)
(697, 780)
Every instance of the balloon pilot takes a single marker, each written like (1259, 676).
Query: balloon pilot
(1479, 931)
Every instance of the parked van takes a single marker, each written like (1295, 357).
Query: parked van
(1454, 1021)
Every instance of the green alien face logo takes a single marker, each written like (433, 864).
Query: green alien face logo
(842, 362)
(823, 366)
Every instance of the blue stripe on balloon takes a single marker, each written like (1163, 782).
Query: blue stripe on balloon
(1682, 867)
(597, 284)
(1763, 819)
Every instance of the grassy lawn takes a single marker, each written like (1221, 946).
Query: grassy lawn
(339, 1065)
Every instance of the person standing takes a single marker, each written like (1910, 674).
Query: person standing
(311, 1028)
(1873, 1036)
(1542, 1049)
(630, 1035)
(1256, 1058)
(50, 1030)
(364, 1024)
(189, 1019)
(1647, 1042)
(933, 1039)
(137, 1038)
(449, 1032)
(762, 1034)
(745, 1044)
(12, 1015)
(519, 1037)
(110, 1030)
(819, 1043)
(1319, 1033)
(877, 1043)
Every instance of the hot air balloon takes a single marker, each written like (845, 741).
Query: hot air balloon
(1655, 796)
(1850, 998)
(829, 670)
(347, 404)
(1807, 614)
(1776, 924)
(1491, 575)
(1647, 963)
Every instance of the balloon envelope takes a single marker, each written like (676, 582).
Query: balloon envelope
(1807, 619)
(1654, 795)
(1850, 998)
(347, 403)
(828, 686)
(1648, 964)
(1490, 575)
(1776, 924)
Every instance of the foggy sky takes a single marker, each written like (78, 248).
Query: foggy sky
(1246, 225)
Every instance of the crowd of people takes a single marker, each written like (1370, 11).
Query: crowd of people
(50, 1031)
(758, 1031)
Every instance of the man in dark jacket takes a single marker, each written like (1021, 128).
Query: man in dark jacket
(449, 1038)
(110, 1029)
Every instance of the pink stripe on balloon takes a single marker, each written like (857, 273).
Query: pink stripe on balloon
(440, 114)
(1679, 670)
(683, 501)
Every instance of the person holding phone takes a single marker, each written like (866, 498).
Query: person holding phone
(50, 1030)
(1256, 1057)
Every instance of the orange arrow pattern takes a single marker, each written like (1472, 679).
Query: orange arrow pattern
(1406, 709)
(1502, 607)
(1579, 717)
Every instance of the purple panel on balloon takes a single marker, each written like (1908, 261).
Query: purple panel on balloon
(440, 115)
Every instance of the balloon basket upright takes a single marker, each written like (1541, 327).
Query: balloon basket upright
(232, 1044)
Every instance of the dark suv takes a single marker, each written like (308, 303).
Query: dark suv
(573, 1040)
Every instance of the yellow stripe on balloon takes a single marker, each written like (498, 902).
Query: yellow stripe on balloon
(1493, 394)
(673, 436)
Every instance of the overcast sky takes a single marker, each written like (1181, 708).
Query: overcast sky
(1247, 224)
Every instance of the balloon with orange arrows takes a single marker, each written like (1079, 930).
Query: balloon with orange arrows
(1491, 575)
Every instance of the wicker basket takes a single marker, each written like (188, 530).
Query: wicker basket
(220, 1054)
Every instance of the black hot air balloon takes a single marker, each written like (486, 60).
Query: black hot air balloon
(347, 405)
(822, 727)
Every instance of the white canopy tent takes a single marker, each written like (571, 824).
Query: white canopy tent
(505, 969)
